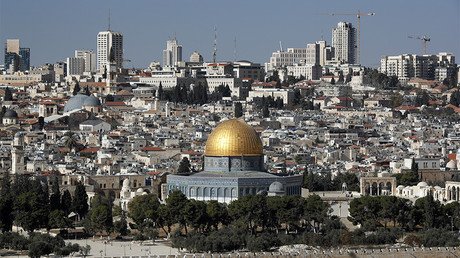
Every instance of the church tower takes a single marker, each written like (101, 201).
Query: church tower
(17, 154)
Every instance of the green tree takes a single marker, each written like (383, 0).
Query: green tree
(216, 214)
(6, 204)
(455, 98)
(121, 226)
(100, 215)
(55, 197)
(238, 109)
(70, 140)
(80, 200)
(348, 78)
(350, 179)
(196, 215)
(76, 88)
(184, 166)
(144, 209)
(160, 91)
(59, 219)
(39, 248)
(31, 207)
(66, 202)
(265, 111)
(341, 79)
(315, 211)
(332, 81)
(8, 95)
(176, 203)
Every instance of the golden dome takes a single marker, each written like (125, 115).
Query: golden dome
(233, 138)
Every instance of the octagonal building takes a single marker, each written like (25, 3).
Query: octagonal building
(233, 167)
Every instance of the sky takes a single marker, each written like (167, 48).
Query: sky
(54, 29)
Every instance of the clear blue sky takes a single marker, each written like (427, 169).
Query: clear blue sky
(54, 29)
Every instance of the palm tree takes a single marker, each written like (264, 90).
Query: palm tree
(70, 140)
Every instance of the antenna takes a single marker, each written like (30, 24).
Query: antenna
(214, 52)
(109, 20)
(281, 46)
(234, 51)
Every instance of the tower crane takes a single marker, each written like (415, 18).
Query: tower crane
(358, 15)
(424, 39)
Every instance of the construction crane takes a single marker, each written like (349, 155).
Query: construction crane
(424, 39)
(358, 15)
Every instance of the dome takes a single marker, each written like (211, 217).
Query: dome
(233, 138)
(9, 113)
(140, 190)
(422, 184)
(92, 101)
(452, 164)
(276, 187)
(75, 102)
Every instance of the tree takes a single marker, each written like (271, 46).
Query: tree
(55, 198)
(144, 209)
(6, 204)
(196, 214)
(76, 88)
(265, 111)
(31, 207)
(66, 202)
(184, 166)
(70, 140)
(109, 98)
(100, 215)
(8, 95)
(160, 92)
(348, 78)
(341, 78)
(58, 219)
(238, 109)
(175, 203)
(422, 98)
(455, 98)
(333, 81)
(41, 123)
(121, 226)
(216, 214)
(39, 249)
(80, 200)
(350, 179)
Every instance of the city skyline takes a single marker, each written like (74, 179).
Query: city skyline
(150, 25)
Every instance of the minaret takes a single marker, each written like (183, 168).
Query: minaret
(17, 154)
(157, 101)
(111, 71)
(168, 109)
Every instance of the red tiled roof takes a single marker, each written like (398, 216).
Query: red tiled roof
(115, 103)
(152, 148)
(90, 150)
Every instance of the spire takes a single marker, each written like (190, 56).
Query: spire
(109, 21)
(214, 52)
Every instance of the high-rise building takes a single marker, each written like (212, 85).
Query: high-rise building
(344, 43)
(173, 53)
(430, 67)
(195, 57)
(90, 59)
(24, 59)
(75, 66)
(109, 43)
(16, 57)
